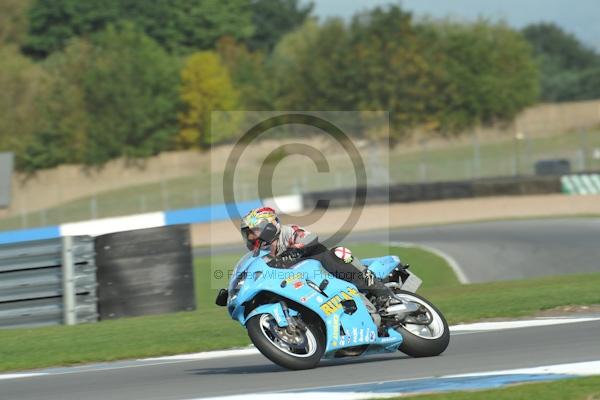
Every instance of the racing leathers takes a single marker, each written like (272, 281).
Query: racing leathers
(295, 242)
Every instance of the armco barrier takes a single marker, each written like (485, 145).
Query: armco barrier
(47, 282)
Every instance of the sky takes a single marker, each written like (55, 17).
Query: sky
(580, 17)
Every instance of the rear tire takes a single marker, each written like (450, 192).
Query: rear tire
(431, 340)
(267, 337)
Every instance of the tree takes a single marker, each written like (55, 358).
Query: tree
(565, 49)
(292, 86)
(567, 66)
(185, 26)
(250, 74)
(274, 18)
(434, 76)
(130, 94)
(312, 69)
(23, 86)
(486, 72)
(391, 71)
(375, 63)
(205, 87)
(13, 21)
(180, 26)
(53, 23)
(65, 136)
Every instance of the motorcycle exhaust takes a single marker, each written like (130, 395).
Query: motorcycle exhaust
(401, 309)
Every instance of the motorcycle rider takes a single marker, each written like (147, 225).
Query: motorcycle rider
(292, 242)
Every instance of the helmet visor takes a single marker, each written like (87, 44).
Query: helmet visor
(250, 234)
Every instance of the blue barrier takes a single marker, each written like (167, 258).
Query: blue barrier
(25, 235)
(216, 212)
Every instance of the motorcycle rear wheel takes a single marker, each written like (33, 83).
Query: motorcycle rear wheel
(290, 349)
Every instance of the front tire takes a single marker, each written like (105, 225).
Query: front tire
(424, 340)
(292, 350)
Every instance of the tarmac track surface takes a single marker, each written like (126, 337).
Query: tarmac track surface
(468, 352)
(484, 251)
(497, 250)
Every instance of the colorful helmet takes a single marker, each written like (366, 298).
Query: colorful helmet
(257, 220)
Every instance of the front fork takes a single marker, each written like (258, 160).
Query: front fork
(293, 323)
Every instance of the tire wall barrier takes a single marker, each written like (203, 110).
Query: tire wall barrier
(145, 271)
(517, 186)
(405, 193)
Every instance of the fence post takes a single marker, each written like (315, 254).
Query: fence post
(423, 161)
(68, 281)
(517, 152)
(469, 174)
(24, 221)
(143, 203)
(476, 172)
(582, 150)
(43, 217)
(165, 194)
(93, 207)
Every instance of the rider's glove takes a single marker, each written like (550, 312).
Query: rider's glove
(369, 278)
(291, 254)
(274, 262)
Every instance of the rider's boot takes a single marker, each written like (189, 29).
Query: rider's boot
(383, 295)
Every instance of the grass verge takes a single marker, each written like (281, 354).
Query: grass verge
(514, 298)
(567, 389)
(210, 328)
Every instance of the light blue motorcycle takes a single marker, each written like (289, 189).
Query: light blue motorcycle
(299, 314)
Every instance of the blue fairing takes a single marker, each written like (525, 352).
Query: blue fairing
(299, 284)
(381, 266)
(276, 310)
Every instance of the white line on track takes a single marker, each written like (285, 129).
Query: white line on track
(23, 375)
(587, 368)
(207, 355)
(501, 325)
(350, 391)
(146, 362)
(316, 395)
(460, 274)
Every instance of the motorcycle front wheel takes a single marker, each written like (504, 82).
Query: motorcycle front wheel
(290, 348)
(426, 334)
